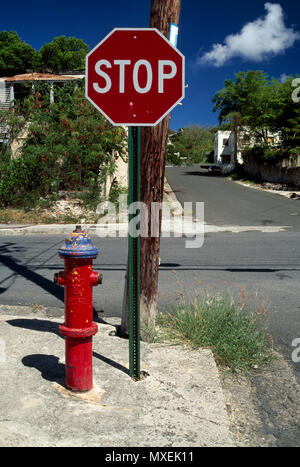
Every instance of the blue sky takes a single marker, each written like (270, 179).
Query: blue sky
(217, 38)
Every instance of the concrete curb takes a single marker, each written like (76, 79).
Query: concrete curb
(178, 226)
(172, 200)
(42, 229)
(286, 194)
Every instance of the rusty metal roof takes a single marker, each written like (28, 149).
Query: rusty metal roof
(40, 77)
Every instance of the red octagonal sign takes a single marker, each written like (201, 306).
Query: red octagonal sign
(134, 77)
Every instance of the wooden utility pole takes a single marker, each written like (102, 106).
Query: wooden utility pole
(153, 161)
(152, 173)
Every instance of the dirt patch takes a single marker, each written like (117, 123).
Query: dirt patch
(264, 409)
(63, 211)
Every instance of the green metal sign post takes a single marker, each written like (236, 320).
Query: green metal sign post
(134, 253)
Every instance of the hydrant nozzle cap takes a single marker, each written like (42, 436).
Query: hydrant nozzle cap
(78, 245)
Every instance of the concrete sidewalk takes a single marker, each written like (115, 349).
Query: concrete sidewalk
(179, 402)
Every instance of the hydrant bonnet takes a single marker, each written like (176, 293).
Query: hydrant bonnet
(79, 245)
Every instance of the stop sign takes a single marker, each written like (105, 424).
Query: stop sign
(134, 77)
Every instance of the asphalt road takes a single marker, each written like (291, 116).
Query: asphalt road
(229, 203)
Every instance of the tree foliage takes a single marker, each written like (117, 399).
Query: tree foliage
(190, 145)
(15, 53)
(64, 53)
(260, 104)
(61, 54)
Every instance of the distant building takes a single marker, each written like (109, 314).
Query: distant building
(228, 151)
(224, 148)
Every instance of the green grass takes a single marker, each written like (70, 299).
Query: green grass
(238, 178)
(238, 338)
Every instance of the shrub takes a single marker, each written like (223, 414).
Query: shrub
(69, 147)
(268, 153)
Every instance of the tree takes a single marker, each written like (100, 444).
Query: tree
(286, 114)
(258, 103)
(190, 145)
(16, 54)
(248, 102)
(64, 54)
(261, 105)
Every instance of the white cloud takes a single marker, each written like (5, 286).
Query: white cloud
(257, 40)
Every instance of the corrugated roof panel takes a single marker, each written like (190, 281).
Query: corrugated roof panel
(40, 77)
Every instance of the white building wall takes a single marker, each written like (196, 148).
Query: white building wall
(224, 147)
(4, 105)
(4, 95)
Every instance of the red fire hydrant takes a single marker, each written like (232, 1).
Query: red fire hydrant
(78, 278)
